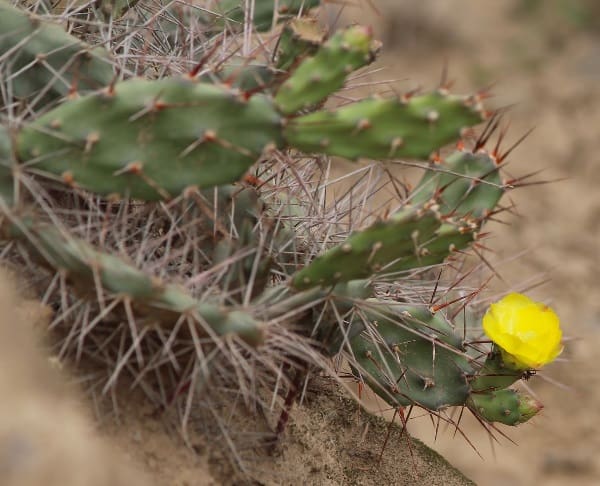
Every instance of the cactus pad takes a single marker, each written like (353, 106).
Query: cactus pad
(39, 57)
(384, 246)
(151, 139)
(300, 37)
(264, 11)
(324, 73)
(408, 357)
(413, 127)
(465, 184)
(509, 407)
(164, 303)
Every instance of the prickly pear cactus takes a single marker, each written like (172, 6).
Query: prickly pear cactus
(170, 195)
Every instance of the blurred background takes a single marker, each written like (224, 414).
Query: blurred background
(542, 58)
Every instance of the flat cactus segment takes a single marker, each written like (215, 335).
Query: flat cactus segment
(509, 407)
(164, 303)
(324, 73)
(265, 11)
(344, 297)
(242, 207)
(301, 37)
(37, 56)
(406, 362)
(465, 183)
(382, 129)
(381, 247)
(448, 238)
(428, 323)
(151, 140)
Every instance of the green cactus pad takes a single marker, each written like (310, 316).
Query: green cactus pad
(465, 184)
(384, 246)
(408, 357)
(161, 302)
(151, 140)
(324, 73)
(378, 128)
(330, 332)
(449, 238)
(39, 57)
(301, 37)
(509, 407)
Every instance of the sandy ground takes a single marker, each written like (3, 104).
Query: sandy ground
(47, 436)
(550, 70)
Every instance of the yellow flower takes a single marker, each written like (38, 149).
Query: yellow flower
(527, 332)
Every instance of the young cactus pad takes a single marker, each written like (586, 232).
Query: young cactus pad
(324, 73)
(265, 11)
(300, 38)
(407, 127)
(508, 407)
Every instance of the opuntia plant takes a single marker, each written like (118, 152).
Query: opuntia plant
(167, 186)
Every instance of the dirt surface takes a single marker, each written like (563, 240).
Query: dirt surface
(47, 436)
(549, 68)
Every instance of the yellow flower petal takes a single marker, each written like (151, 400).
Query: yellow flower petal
(527, 332)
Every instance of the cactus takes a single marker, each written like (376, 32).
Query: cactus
(188, 134)
(325, 72)
(40, 59)
(408, 127)
(450, 207)
(183, 230)
(300, 38)
(264, 11)
(414, 357)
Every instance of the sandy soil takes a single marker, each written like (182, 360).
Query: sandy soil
(46, 433)
(550, 70)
